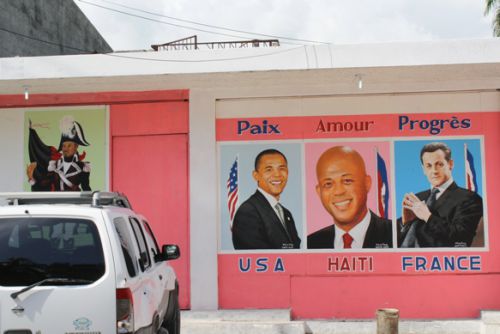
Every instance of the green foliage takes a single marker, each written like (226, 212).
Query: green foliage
(493, 6)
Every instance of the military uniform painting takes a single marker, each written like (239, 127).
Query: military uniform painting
(62, 169)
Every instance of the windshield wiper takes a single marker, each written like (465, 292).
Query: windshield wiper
(49, 280)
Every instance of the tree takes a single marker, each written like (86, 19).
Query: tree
(493, 6)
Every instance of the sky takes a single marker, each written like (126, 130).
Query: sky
(136, 24)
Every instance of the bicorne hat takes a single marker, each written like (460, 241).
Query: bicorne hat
(72, 131)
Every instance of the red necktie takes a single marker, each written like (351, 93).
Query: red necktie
(347, 240)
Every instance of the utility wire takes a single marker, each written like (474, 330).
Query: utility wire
(159, 21)
(45, 41)
(209, 25)
(147, 59)
(204, 60)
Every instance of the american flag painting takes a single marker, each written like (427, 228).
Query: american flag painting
(470, 171)
(232, 190)
(383, 188)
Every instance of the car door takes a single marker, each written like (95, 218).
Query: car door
(138, 266)
(162, 272)
(149, 295)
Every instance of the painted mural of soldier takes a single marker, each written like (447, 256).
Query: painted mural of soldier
(61, 169)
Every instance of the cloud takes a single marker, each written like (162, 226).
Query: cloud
(336, 21)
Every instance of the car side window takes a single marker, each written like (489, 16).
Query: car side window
(144, 259)
(150, 238)
(126, 243)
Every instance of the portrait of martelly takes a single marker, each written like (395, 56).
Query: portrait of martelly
(349, 195)
(439, 193)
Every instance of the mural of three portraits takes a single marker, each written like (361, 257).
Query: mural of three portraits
(380, 194)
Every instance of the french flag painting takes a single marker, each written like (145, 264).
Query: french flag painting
(383, 188)
(232, 191)
(470, 171)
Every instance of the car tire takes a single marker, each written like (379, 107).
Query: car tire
(172, 321)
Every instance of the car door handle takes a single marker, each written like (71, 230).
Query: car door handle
(160, 277)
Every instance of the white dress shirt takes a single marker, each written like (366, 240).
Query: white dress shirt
(357, 233)
(272, 201)
(443, 187)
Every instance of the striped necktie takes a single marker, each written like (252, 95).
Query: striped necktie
(281, 214)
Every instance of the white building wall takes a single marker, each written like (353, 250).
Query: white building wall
(404, 77)
(11, 149)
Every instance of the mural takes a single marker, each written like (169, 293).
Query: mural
(64, 149)
(253, 175)
(345, 183)
(439, 192)
(348, 194)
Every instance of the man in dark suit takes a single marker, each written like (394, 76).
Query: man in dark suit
(445, 215)
(261, 222)
(343, 187)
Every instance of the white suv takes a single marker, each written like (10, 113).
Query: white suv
(83, 263)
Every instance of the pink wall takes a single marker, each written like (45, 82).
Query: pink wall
(353, 284)
(149, 143)
(304, 281)
(417, 297)
(145, 126)
(312, 291)
(41, 100)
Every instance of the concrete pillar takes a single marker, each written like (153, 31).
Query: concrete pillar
(387, 321)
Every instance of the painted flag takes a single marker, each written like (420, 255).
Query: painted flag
(232, 190)
(383, 188)
(470, 171)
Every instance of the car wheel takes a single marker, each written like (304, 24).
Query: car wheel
(172, 321)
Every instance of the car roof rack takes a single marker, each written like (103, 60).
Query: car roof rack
(95, 199)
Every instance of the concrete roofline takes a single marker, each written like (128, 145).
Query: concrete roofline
(474, 51)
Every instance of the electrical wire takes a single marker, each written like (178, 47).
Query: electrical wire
(45, 41)
(204, 60)
(149, 59)
(140, 58)
(208, 25)
(159, 21)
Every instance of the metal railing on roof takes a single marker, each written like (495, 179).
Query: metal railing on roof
(191, 43)
(95, 199)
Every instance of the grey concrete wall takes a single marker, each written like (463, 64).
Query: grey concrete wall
(46, 27)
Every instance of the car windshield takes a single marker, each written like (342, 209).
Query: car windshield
(35, 249)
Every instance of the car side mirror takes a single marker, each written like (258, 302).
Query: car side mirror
(170, 252)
